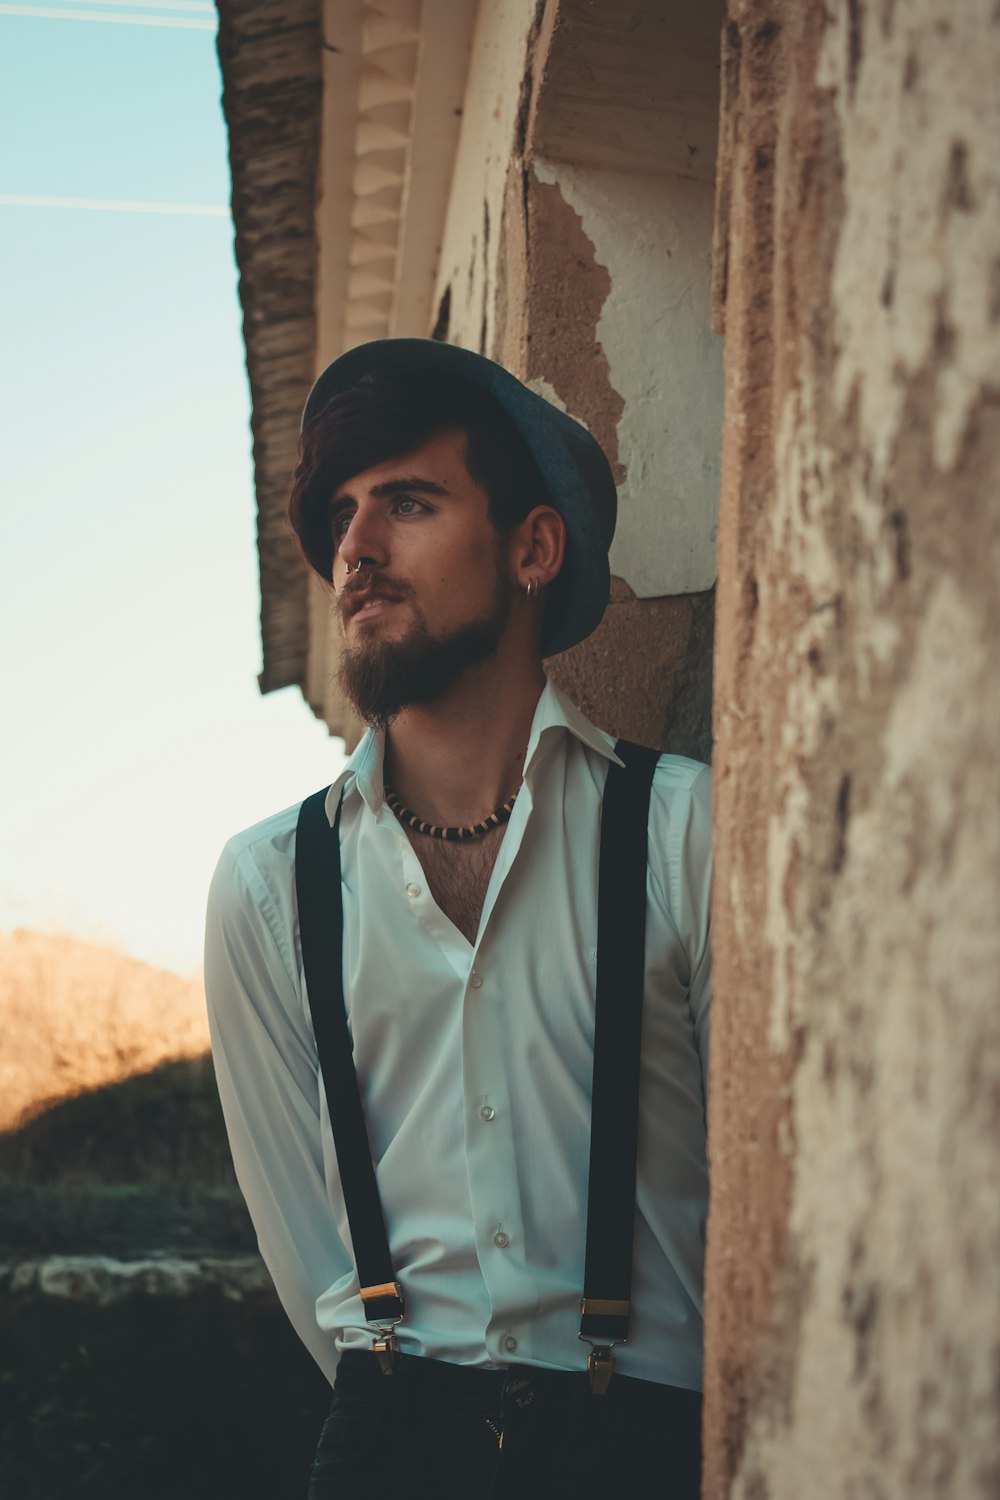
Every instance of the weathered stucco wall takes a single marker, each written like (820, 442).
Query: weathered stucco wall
(853, 1311)
(575, 248)
(577, 252)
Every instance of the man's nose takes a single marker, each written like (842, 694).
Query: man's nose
(363, 543)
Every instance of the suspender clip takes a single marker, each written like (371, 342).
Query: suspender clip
(385, 1347)
(603, 1318)
(383, 1304)
(600, 1368)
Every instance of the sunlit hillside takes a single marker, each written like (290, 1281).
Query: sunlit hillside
(75, 1017)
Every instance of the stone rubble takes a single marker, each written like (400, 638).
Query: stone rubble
(102, 1280)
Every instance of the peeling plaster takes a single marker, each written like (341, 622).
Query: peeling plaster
(547, 390)
(653, 234)
(934, 716)
(566, 292)
(918, 201)
(806, 560)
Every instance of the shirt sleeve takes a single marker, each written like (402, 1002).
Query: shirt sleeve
(681, 829)
(693, 905)
(267, 1074)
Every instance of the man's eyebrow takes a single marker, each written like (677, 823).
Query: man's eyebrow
(395, 487)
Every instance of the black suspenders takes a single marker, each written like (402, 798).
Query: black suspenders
(621, 941)
(614, 1121)
(321, 932)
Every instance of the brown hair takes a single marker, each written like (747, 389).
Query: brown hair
(386, 416)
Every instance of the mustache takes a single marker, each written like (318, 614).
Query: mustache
(373, 585)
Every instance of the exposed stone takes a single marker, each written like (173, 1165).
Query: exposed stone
(646, 672)
(102, 1280)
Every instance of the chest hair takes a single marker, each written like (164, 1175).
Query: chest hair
(459, 875)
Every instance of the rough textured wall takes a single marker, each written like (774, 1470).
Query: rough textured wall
(854, 1235)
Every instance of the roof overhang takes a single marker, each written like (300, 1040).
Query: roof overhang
(271, 60)
(343, 122)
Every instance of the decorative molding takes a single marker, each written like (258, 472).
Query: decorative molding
(394, 76)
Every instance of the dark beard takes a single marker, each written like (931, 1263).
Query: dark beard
(384, 677)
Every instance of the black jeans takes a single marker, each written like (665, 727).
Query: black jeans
(455, 1433)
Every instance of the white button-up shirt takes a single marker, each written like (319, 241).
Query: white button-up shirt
(475, 1063)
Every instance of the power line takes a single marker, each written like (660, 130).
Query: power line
(113, 205)
(46, 13)
(142, 5)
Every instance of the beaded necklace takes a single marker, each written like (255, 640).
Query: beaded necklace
(435, 831)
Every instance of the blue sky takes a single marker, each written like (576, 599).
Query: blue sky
(135, 737)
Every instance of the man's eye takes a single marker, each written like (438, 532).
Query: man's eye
(407, 506)
(339, 524)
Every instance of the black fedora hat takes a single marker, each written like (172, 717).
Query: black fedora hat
(572, 464)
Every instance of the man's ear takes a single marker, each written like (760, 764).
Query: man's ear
(538, 546)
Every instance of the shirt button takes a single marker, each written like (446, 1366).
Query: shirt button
(501, 1239)
(487, 1112)
(476, 980)
(412, 890)
(510, 1343)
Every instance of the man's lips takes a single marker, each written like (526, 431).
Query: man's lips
(371, 607)
(362, 602)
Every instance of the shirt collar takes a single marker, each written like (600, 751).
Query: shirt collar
(363, 773)
(554, 712)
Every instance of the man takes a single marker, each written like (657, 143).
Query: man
(464, 525)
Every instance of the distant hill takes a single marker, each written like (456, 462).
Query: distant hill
(75, 1017)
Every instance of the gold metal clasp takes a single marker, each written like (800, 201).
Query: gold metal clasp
(384, 1289)
(385, 1347)
(603, 1307)
(600, 1368)
(601, 1360)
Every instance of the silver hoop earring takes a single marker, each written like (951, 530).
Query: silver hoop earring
(531, 588)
